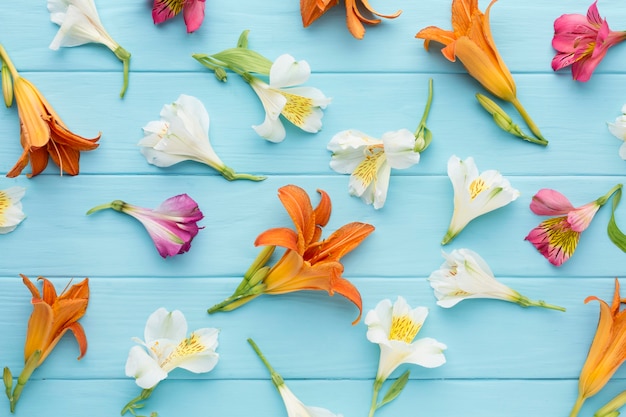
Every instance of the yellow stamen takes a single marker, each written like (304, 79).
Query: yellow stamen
(5, 202)
(187, 347)
(404, 329)
(476, 187)
(367, 170)
(560, 235)
(297, 109)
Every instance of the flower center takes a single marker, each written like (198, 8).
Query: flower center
(403, 328)
(297, 109)
(367, 170)
(187, 347)
(476, 187)
(5, 202)
(560, 235)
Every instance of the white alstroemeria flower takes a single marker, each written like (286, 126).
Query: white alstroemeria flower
(369, 161)
(475, 194)
(167, 347)
(11, 213)
(618, 129)
(295, 407)
(393, 328)
(465, 274)
(182, 134)
(80, 24)
(300, 105)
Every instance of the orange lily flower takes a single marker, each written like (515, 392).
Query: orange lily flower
(51, 318)
(308, 263)
(311, 10)
(42, 132)
(471, 41)
(607, 351)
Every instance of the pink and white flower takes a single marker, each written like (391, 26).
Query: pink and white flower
(172, 226)
(556, 238)
(582, 42)
(193, 12)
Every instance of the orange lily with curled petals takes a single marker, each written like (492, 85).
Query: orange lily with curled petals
(308, 263)
(607, 351)
(42, 132)
(51, 318)
(311, 10)
(471, 41)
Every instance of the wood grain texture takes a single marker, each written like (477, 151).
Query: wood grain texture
(502, 360)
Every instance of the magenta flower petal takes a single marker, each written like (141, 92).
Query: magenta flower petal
(582, 42)
(581, 218)
(163, 10)
(548, 202)
(193, 13)
(554, 239)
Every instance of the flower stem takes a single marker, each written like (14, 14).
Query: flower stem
(124, 56)
(5, 58)
(277, 380)
(29, 368)
(577, 406)
(429, 101)
(374, 405)
(602, 200)
(525, 302)
(116, 205)
(231, 175)
(133, 404)
(612, 406)
(529, 122)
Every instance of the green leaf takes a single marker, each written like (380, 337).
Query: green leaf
(614, 232)
(395, 389)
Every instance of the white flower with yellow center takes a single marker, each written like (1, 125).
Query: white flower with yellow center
(394, 328)
(369, 161)
(300, 105)
(11, 213)
(167, 347)
(465, 275)
(475, 194)
(618, 129)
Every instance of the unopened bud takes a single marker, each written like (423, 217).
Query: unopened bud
(7, 85)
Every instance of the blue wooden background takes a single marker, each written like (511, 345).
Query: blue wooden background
(502, 360)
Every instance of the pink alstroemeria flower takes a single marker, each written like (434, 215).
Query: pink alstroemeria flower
(193, 12)
(582, 42)
(172, 226)
(556, 238)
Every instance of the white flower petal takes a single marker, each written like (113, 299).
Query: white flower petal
(427, 352)
(618, 129)
(295, 407)
(193, 115)
(271, 129)
(157, 128)
(349, 148)
(286, 72)
(378, 322)
(273, 101)
(144, 368)
(163, 324)
(161, 159)
(399, 149)
(57, 9)
(80, 27)
(622, 151)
